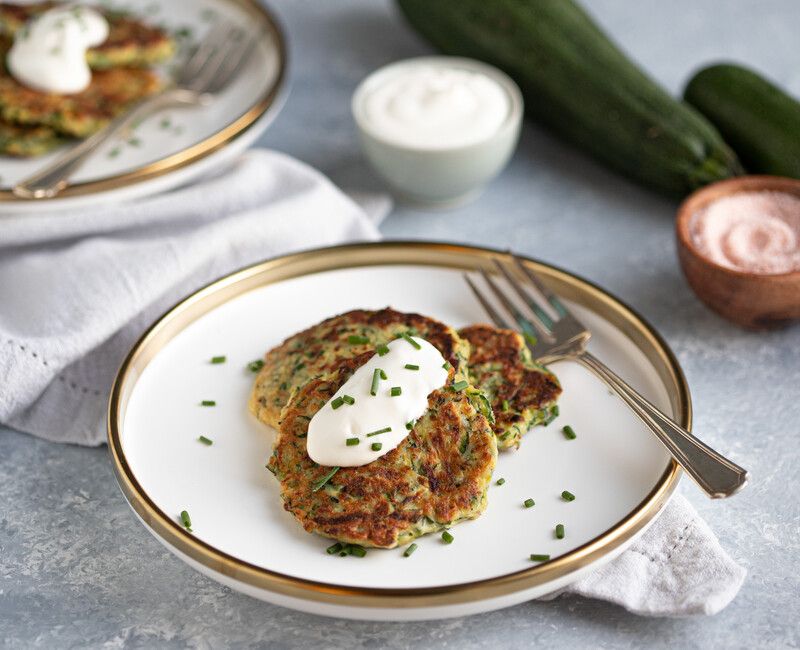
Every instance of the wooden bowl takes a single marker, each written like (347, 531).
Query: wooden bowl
(752, 300)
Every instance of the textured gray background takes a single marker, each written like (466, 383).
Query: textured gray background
(76, 569)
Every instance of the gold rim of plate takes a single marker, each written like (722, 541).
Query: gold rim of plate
(466, 258)
(201, 149)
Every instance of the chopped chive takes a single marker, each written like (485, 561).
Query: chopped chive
(536, 557)
(186, 520)
(348, 400)
(567, 496)
(378, 432)
(354, 339)
(333, 550)
(396, 391)
(530, 338)
(382, 349)
(255, 366)
(206, 441)
(355, 549)
(560, 531)
(299, 366)
(447, 538)
(336, 403)
(529, 503)
(208, 402)
(352, 442)
(383, 374)
(406, 336)
(324, 479)
(220, 359)
(554, 411)
(410, 425)
(376, 377)
(411, 548)
(411, 366)
(569, 433)
(500, 481)
(505, 405)
(376, 446)
(343, 552)
(446, 365)
(460, 385)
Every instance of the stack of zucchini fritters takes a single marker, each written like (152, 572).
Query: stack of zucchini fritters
(33, 122)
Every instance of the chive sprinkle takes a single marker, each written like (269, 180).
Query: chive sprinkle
(536, 557)
(411, 366)
(376, 446)
(352, 442)
(406, 336)
(324, 479)
(186, 520)
(379, 431)
(335, 404)
(529, 503)
(505, 405)
(560, 531)
(208, 402)
(567, 496)
(382, 349)
(354, 339)
(410, 425)
(355, 549)
(376, 377)
(500, 481)
(554, 411)
(569, 433)
(206, 441)
(530, 339)
(396, 391)
(347, 399)
(333, 550)
(383, 374)
(446, 365)
(447, 538)
(255, 366)
(220, 359)
(411, 548)
(460, 385)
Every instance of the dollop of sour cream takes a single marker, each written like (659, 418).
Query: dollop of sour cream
(416, 371)
(756, 232)
(49, 54)
(436, 106)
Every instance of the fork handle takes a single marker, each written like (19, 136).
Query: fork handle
(48, 182)
(715, 474)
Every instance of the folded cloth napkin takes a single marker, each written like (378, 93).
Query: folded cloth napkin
(78, 288)
(676, 568)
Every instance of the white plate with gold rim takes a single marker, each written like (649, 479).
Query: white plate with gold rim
(173, 147)
(243, 538)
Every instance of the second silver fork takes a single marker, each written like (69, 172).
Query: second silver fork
(565, 337)
(209, 69)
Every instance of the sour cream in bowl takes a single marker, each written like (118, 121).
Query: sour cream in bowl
(438, 128)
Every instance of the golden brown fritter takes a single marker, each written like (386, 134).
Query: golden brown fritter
(522, 393)
(25, 141)
(130, 42)
(110, 93)
(317, 350)
(435, 478)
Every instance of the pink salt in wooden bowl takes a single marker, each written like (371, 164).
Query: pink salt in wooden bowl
(752, 300)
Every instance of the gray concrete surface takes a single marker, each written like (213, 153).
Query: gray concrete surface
(76, 568)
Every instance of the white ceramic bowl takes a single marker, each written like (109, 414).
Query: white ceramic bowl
(443, 176)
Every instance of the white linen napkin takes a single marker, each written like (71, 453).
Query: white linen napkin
(675, 568)
(78, 288)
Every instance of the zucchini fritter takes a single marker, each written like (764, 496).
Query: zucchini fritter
(436, 477)
(522, 393)
(317, 350)
(130, 42)
(25, 141)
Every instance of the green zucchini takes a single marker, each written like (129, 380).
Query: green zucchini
(758, 119)
(579, 84)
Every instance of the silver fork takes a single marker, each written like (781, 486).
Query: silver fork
(210, 68)
(564, 337)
